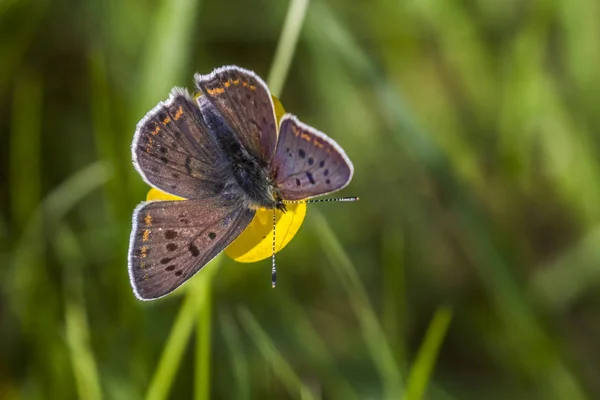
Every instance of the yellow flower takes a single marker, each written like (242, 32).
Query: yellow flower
(256, 242)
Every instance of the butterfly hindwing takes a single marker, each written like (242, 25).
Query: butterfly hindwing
(307, 163)
(243, 100)
(175, 151)
(172, 240)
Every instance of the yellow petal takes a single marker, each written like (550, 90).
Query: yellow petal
(256, 242)
(279, 110)
(155, 194)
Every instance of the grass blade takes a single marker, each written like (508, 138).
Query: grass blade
(193, 304)
(558, 284)
(308, 340)
(52, 210)
(167, 50)
(238, 357)
(516, 313)
(371, 329)
(87, 380)
(394, 309)
(287, 45)
(281, 367)
(420, 372)
(25, 146)
(107, 138)
(203, 349)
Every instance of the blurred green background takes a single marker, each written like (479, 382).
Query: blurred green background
(469, 269)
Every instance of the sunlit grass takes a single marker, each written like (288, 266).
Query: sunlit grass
(76, 319)
(196, 304)
(279, 365)
(284, 53)
(237, 357)
(472, 130)
(421, 370)
(357, 297)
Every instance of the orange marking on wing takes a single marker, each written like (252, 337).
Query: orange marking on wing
(295, 131)
(144, 252)
(148, 219)
(156, 130)
(217, 90)
(145, 235)
(179, 113)
(318, 144)
(166, 120)
(149, 146)
(235, 82)
(305, 136)
(249, 86)
(227, 84)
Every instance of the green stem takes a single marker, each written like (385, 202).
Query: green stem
(420, 373)
(371, 329)
(203, 331)
(287, 45)
(281, 368)
(170, 360)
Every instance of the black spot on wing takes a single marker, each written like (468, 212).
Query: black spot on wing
(188, 167)
(171, 247)
(194, 250)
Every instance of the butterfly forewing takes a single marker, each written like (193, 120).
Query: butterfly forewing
(174, 150)
(307, 163)
(243, 100)
(172, 240)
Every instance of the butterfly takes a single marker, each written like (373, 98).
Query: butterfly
(224, 152)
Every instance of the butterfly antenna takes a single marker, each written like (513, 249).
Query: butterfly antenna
(321, 200)
(273, 267)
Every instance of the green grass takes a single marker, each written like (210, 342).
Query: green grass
(196, 307)
(467, 270)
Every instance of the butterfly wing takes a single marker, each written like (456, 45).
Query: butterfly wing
(243, 100)
(176, 152)
(308, 163)
(172, 240)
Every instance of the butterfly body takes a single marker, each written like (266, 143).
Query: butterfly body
(225, 152)
(247, 176)
(253, 183)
